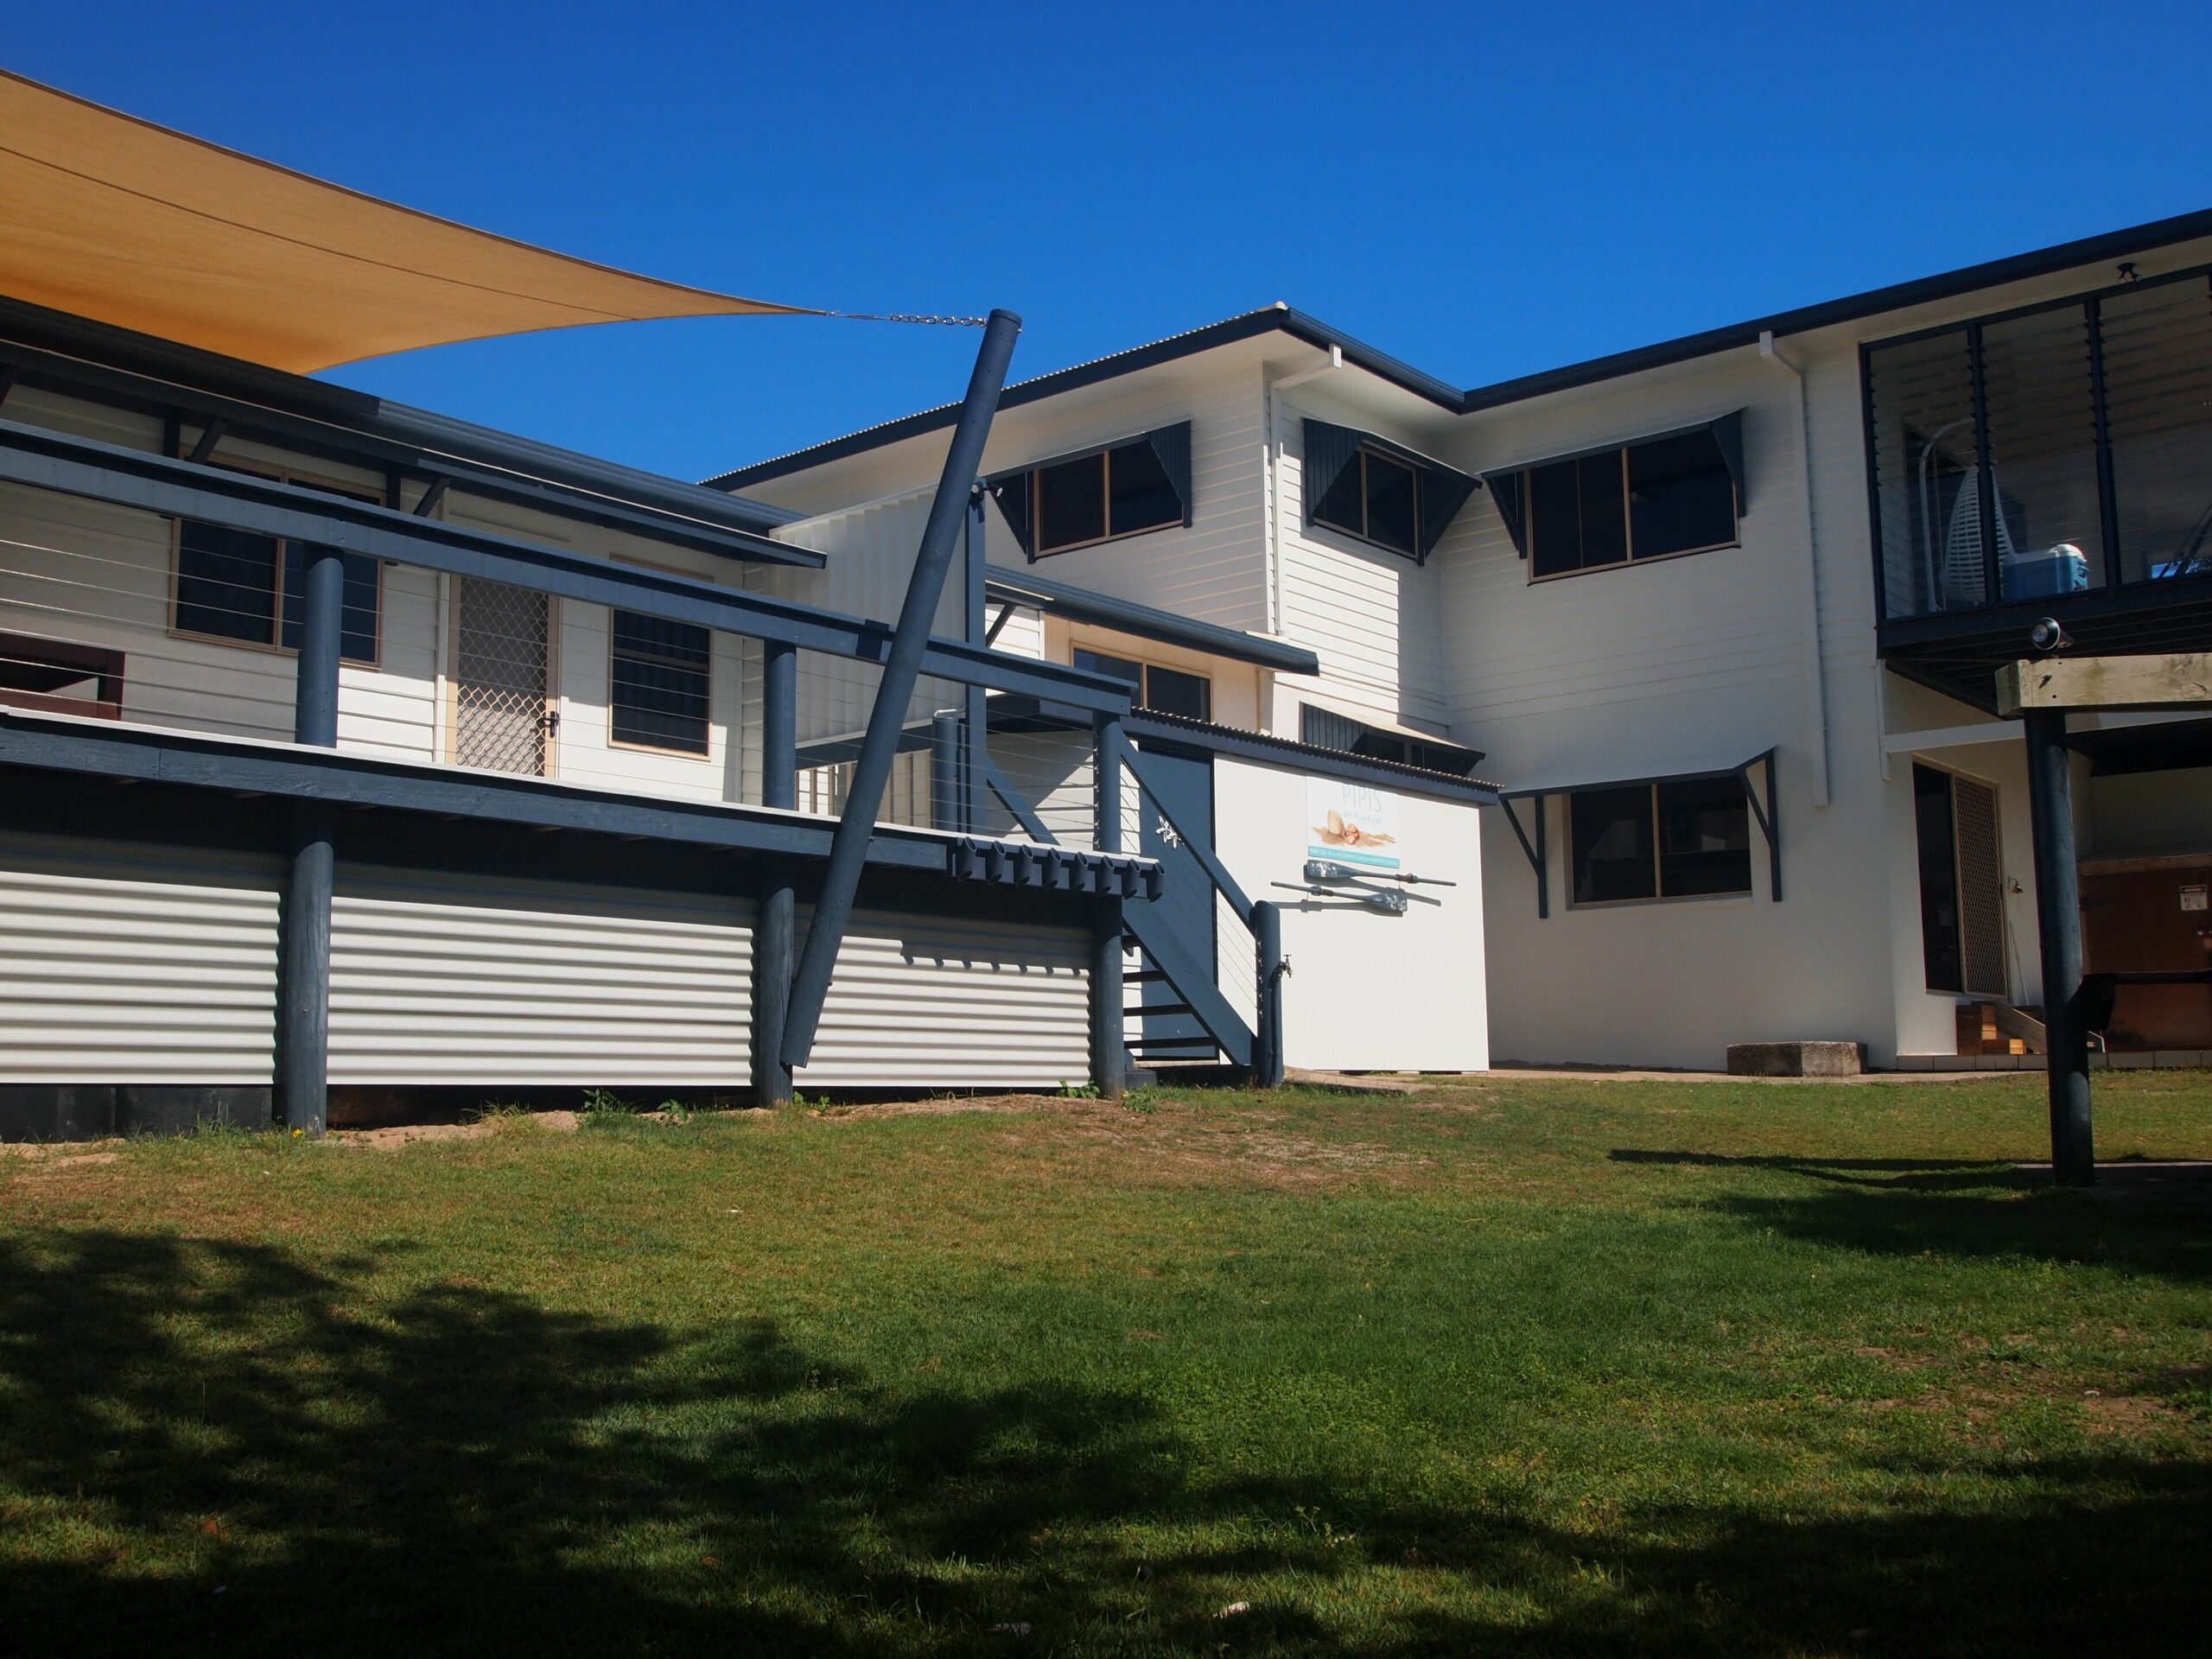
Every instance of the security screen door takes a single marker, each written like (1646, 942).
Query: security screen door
(503, 719)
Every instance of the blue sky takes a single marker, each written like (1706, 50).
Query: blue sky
(1481, 190)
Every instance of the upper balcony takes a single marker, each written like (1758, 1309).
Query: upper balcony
(2053, 461)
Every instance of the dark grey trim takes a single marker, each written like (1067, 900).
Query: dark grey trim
(2111, 246)
(1169, 731)
(58, 348)
(741, 545)
(135, 478)
(1148, 622)
(332, 778)
(1607, 780)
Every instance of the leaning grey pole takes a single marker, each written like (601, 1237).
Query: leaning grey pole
(902, 667)
(773, 934)
(304, 984)
(2058, 927)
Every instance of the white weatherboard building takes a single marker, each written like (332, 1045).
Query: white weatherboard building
(1720, 617)
(355, 759)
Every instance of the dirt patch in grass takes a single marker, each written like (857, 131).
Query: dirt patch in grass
(482, 1128)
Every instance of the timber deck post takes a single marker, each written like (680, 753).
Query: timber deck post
(775, 929)
(304, 977)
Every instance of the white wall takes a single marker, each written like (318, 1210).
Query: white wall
(1367, 992)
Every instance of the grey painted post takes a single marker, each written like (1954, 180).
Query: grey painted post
(303, 982)
(1267, 1035)
(976, 704)
(2058, 926)
(902, 667)
(1110, 1058)
(775, 930)
(948, 774)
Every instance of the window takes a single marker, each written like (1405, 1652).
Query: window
(1688, 839)
(2038, 453)
(233, 585)
(1961, 883)
(1124, 491)
(658, 683)
(1379, 491)
(1376, 499)
(1325, 728)
(1165, 690)
(1648, 501)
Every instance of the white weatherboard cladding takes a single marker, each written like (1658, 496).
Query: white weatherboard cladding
(1374, 619)
(1366, 991)
(127, 963)
(944, 1003)
(440, 979)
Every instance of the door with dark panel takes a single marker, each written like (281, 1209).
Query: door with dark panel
(1185, 904)
(2152, 919)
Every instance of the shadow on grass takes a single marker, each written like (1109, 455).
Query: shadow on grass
(1976, 1209)
(221, 1448)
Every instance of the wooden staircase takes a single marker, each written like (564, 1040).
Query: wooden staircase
(1992, 1026)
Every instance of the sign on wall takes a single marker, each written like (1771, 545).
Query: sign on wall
(1351, 823)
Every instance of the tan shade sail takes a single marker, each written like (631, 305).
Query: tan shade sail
(107, 216)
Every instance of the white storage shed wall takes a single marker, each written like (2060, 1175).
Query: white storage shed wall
(1366, 991)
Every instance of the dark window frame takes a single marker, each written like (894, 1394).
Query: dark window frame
(280, 562)
(1956, 944)
(1658, 895)
(1629, 558)
(1104, 457)
(1363, 455)
(1145, 668)
(704, 669)
(2087, 301)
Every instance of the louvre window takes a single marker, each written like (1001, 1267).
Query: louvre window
(1125, 489)
(233, 585)
(1165, 690)
(1992, 480)
(659, 684)
(1688, 838)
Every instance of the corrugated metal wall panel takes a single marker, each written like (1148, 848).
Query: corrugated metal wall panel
(125, 963)
(941, 1002)
(446, 979)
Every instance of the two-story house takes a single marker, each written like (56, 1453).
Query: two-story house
(1721, 615)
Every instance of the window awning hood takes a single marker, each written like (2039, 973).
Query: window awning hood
(104, 215)
(1716, 763)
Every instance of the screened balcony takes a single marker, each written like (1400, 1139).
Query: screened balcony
(2041, 456)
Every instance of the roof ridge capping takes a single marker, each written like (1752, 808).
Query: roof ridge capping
(1283, 318)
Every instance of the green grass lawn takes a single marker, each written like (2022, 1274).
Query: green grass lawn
(1502, 1368)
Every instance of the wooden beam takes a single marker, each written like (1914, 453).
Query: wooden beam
(2105, 683)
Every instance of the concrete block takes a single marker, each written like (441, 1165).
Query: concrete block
(2133, 1062)
(1801, 1059)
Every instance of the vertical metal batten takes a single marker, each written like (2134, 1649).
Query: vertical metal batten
(2058, 927)
(303, 974)
(1109, 1060)
(2107, 502)
(1267, 1035)
(775, 928)
(901, 669)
